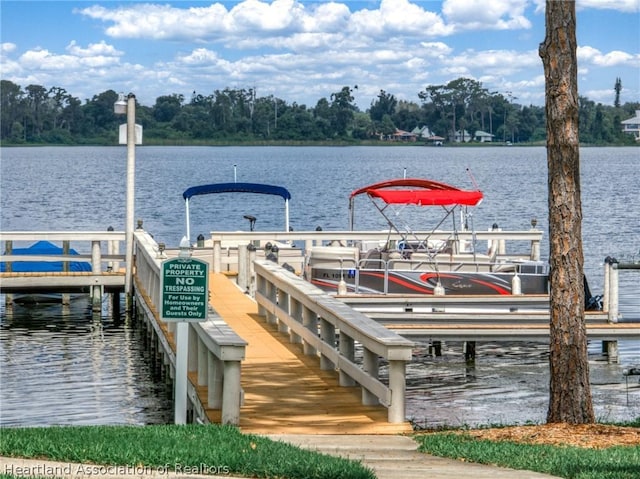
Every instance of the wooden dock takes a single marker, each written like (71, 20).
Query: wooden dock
(256, 363)
(479, 318)
(285, 391)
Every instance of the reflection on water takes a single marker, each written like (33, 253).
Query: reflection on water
(64, 365)
(509, 382)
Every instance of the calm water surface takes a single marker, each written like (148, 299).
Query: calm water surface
(69, 367)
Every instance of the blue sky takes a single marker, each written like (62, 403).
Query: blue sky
(302, 51)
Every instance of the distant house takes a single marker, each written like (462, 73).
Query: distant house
(632, 126)
(461, 136)
(483, 136)
(427, 135)
(422, 132)
(401, 135)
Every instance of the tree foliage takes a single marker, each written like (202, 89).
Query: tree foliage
(37, 114)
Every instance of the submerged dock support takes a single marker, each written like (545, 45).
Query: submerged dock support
(469, 349)
(610, 350)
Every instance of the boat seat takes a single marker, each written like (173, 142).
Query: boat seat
(334, 256)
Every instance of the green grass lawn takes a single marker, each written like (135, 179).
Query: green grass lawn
(188, 449)
(224, 450)
(620, 462)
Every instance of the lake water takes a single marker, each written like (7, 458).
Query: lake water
(82, 369)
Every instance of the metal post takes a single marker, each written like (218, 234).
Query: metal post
(131, 168)
(613, 291)
(182, 360)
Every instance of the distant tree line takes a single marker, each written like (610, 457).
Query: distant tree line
(40, 115)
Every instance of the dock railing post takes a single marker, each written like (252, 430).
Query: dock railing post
(613, 308)
(66, 297)
(328, 336)
(605, 292)
(96, 268)
(217, 253)
(215, 372)
(347, 349)
(370, 364)
(397, 384)
(535, 250)
(309, 321)
(252, 270)
(243, 267)
(231, 393)
(8, 249)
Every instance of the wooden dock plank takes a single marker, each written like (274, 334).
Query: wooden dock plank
(286, 391)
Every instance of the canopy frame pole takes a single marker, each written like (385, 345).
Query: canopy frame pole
(286, 215)
(186, 205)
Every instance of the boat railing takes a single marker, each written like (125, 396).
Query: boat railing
(306, 240)
(312, 318)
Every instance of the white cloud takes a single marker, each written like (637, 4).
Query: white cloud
(619, 5)
(255, 18)
(94, 49)
(624, 6)
(435, 49)
(594, 56)
(7, 47)
(397, 16)
(487, 15)
(259, 19)
(77, 59)
(199, 56)
(162, 21)
(280, 16)
(502, 62)
(302, 51)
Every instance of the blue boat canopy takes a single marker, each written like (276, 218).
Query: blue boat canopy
(43, 248)
(237, 188)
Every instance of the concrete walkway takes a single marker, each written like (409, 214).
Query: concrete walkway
(396, 457)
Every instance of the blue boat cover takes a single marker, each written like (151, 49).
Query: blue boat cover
(43, 248)
(237, 188)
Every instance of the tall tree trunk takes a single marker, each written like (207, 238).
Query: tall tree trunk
(570, 391)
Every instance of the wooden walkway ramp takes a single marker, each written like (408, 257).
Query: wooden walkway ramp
(285, 391)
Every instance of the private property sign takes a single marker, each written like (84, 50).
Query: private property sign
(184, 287)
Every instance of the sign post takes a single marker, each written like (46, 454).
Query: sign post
(184, 287)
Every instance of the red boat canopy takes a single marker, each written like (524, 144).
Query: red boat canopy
(419, 192)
